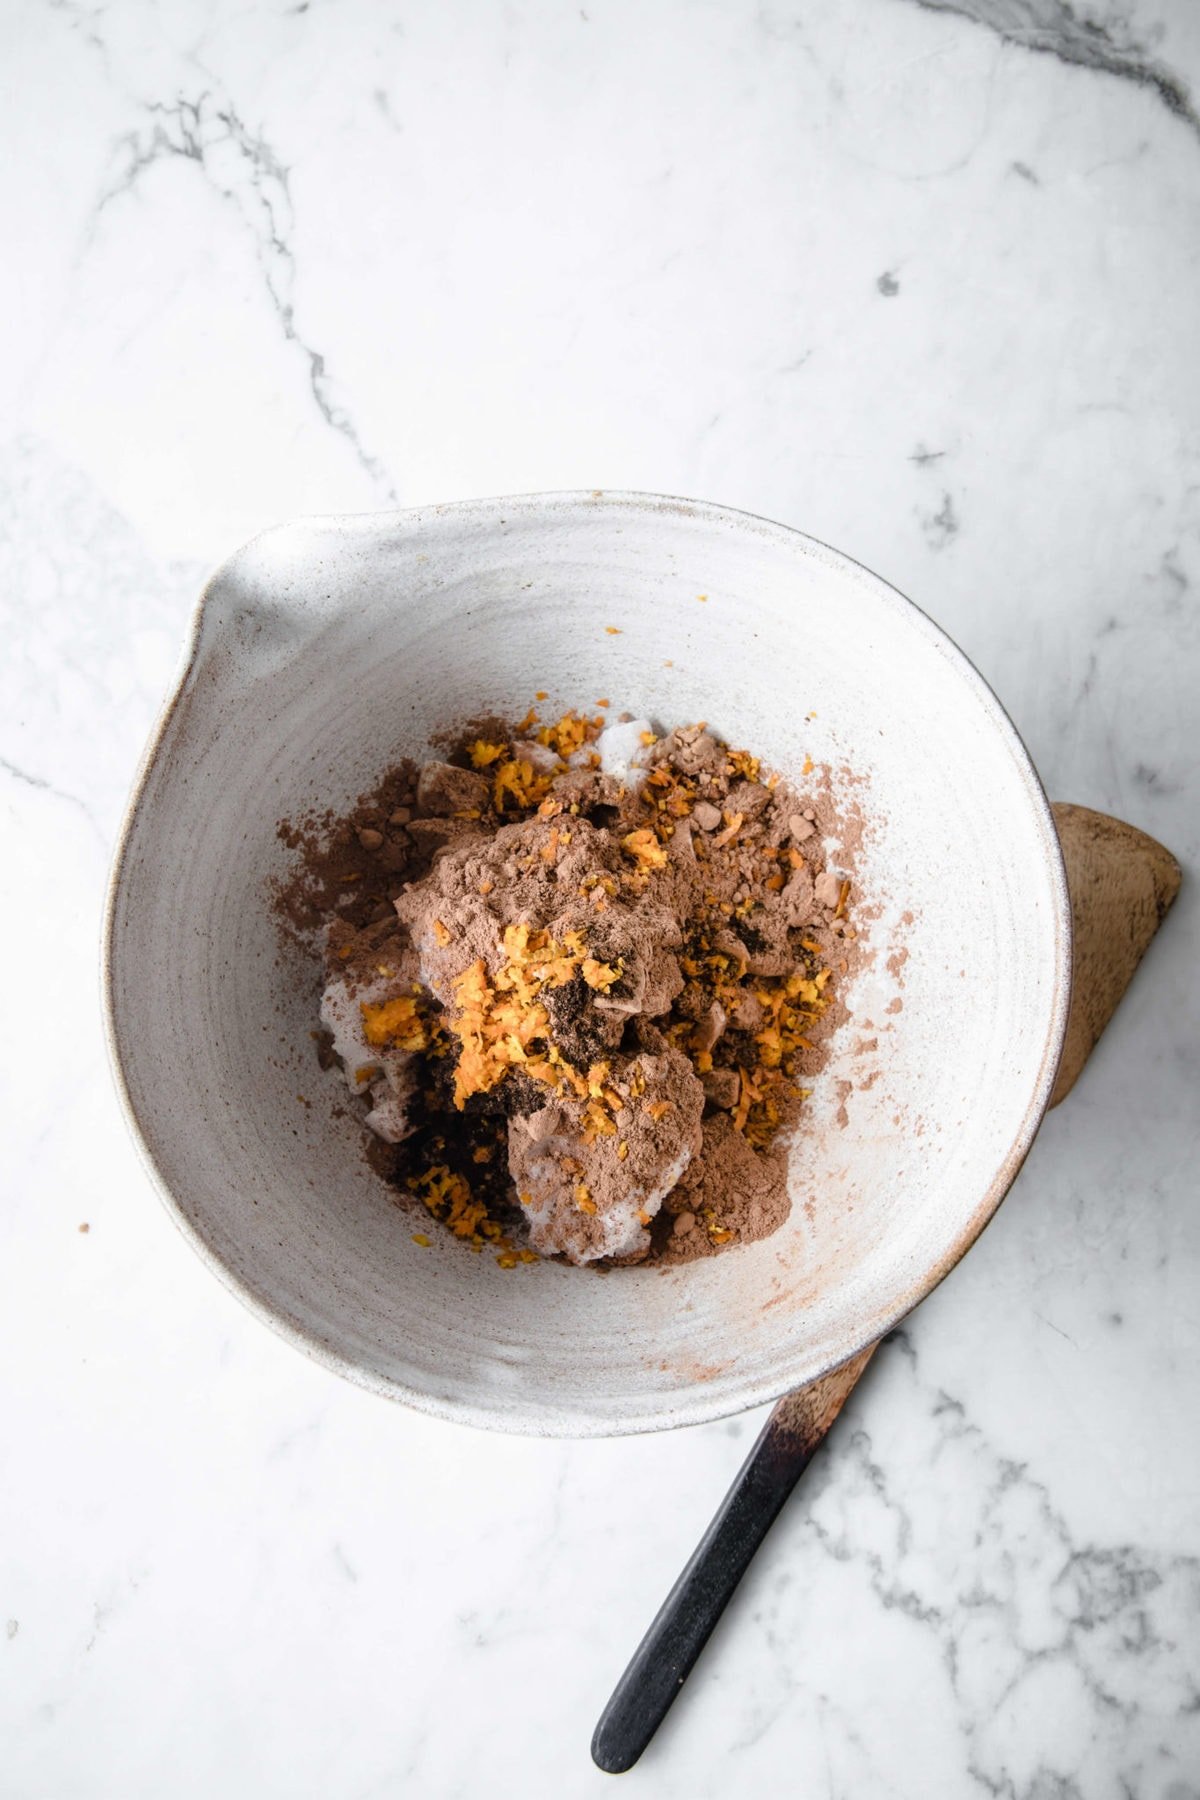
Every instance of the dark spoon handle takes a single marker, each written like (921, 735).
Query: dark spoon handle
(667, 1654)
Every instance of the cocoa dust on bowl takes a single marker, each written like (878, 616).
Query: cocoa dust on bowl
(580, 978)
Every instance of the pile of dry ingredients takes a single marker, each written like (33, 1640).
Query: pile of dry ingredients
(579, 975)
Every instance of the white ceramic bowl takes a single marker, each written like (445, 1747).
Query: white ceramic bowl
(323, 650)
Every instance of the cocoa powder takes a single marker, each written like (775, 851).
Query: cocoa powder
(698, 881)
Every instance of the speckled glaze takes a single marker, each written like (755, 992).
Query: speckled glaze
(327, 647)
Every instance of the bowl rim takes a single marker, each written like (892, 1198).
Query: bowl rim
(688, 1406)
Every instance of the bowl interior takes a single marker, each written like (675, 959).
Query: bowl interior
(324, 650)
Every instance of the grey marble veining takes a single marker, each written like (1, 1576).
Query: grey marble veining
(919, 276)
(1103, 40)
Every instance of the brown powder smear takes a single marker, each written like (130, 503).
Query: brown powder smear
(708, 888)
(336, 875)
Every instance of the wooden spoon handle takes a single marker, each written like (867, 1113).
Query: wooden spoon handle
(1122, 884)
(666, 1655)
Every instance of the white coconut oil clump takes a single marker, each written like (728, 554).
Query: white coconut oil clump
(388, 1075)
(623, 751)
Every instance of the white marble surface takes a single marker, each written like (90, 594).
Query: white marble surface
(920, 276)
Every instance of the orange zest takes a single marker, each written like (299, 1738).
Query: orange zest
(397, 1023)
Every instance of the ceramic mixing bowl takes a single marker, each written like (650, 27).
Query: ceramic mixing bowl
(325, 649)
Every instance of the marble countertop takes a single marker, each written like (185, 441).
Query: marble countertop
(919, 276)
